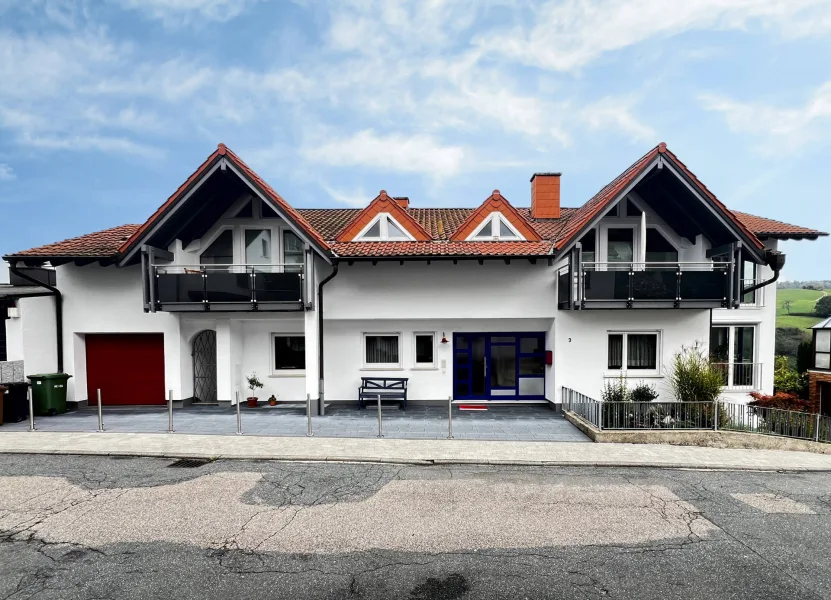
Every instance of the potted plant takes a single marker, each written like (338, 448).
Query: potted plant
(273, 400)
(253, 384)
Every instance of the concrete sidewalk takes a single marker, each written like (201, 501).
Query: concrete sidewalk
(408, 451)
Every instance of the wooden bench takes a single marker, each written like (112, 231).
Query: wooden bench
(388, 388)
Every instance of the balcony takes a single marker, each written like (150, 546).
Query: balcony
(226, 288)
(645, 285)
(740, 376)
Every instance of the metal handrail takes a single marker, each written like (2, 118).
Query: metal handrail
(740, 371)
(228, 268)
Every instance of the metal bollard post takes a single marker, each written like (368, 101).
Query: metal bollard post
(100, 412)
(170, 411)
(715, 415)
(816, 433)
(309, 432)
(380, 430)
(31, 412)
(239, 415)
(450, 417)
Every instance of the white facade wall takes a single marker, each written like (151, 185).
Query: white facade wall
(441, 297)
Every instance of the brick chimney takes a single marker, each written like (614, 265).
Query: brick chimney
(545, 196)
(402, 201)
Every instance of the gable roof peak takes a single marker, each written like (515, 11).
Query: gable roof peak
(221, 149)
(662, 147)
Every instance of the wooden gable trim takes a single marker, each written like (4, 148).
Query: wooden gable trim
(496, 202)
(383, 203)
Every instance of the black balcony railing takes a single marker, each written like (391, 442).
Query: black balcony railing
(645, 284)
(234, 287)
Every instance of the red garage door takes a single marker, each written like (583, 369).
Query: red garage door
(128, 368)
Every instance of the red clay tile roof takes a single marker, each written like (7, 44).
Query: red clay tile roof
(221, 151)
(769, 228)
(435, 248)
(324, 224)
(101, 244)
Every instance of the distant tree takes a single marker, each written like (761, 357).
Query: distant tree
(823, 307)
(787, 306)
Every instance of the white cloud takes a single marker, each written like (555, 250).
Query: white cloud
(173, 13)
(615, 113)
(566, 35)
(6, 172)
(357, 198)
(779, 129)
(417, 153)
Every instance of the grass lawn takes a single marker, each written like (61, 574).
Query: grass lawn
(802, 305)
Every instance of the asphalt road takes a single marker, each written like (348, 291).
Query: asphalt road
(97, 527)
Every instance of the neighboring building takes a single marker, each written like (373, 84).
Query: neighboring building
(819, 375)
(488, 303)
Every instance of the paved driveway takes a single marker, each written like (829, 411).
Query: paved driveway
(515, 423)
(94, 527)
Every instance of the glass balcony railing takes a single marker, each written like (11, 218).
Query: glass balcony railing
(246, 286)
(654, 282)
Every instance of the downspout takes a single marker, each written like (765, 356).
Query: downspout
(58, 311)
(321, 407)
(776, 261)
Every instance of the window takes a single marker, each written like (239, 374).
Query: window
(292, 250)
(384, 227)
(382, 350)
(247, 210)
(632, 210)
(638, 351)
(425, 350)
(289, 352)
(221, 250)
(732, 351)
(822, 349)
(496, 227)
(588, 243)
(257, 246)
(748, 280)
(658, 249)
(621, 246)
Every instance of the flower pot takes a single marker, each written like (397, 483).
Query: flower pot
(252, 402)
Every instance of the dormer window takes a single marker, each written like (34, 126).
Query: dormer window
(384, 227)
(496, 227)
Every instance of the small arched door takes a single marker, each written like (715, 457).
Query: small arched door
(204, 366)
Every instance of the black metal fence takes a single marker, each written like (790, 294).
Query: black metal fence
(728, 416)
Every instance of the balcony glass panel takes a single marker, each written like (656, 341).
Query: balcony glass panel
(563, 288)
(606, 285)
(703, 285)
(228, 287)
(277, 287)
(654, 285)
(179, 287)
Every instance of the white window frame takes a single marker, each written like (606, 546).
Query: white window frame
(624, 369)
(272, 235)
(495, 218)
(425, 366)
(731, 354)
(383, 218)
(273, 368)
(381, 366)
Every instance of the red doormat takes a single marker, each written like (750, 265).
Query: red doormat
(472, 407)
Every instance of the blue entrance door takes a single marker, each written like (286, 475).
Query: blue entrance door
(499, 366)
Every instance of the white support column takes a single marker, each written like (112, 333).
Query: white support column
(172, 364)
(312, 374)
(224, 373)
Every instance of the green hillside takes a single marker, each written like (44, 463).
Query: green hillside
(801, 308)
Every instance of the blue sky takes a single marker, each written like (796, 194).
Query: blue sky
(106, 106)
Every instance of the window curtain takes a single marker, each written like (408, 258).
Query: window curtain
(381, 349)
(642, 352)
(615, 351)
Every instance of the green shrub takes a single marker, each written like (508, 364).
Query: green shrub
(643, 392)
(786, 379)
(692, 378)
(823, 307)
(615, 390)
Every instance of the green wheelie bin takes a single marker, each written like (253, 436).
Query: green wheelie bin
(49, 393)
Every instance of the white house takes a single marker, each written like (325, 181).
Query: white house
(492, 303)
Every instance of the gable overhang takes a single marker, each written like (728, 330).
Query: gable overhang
(661, 162)
(495, 203)
(382, 203)
(175, 207)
